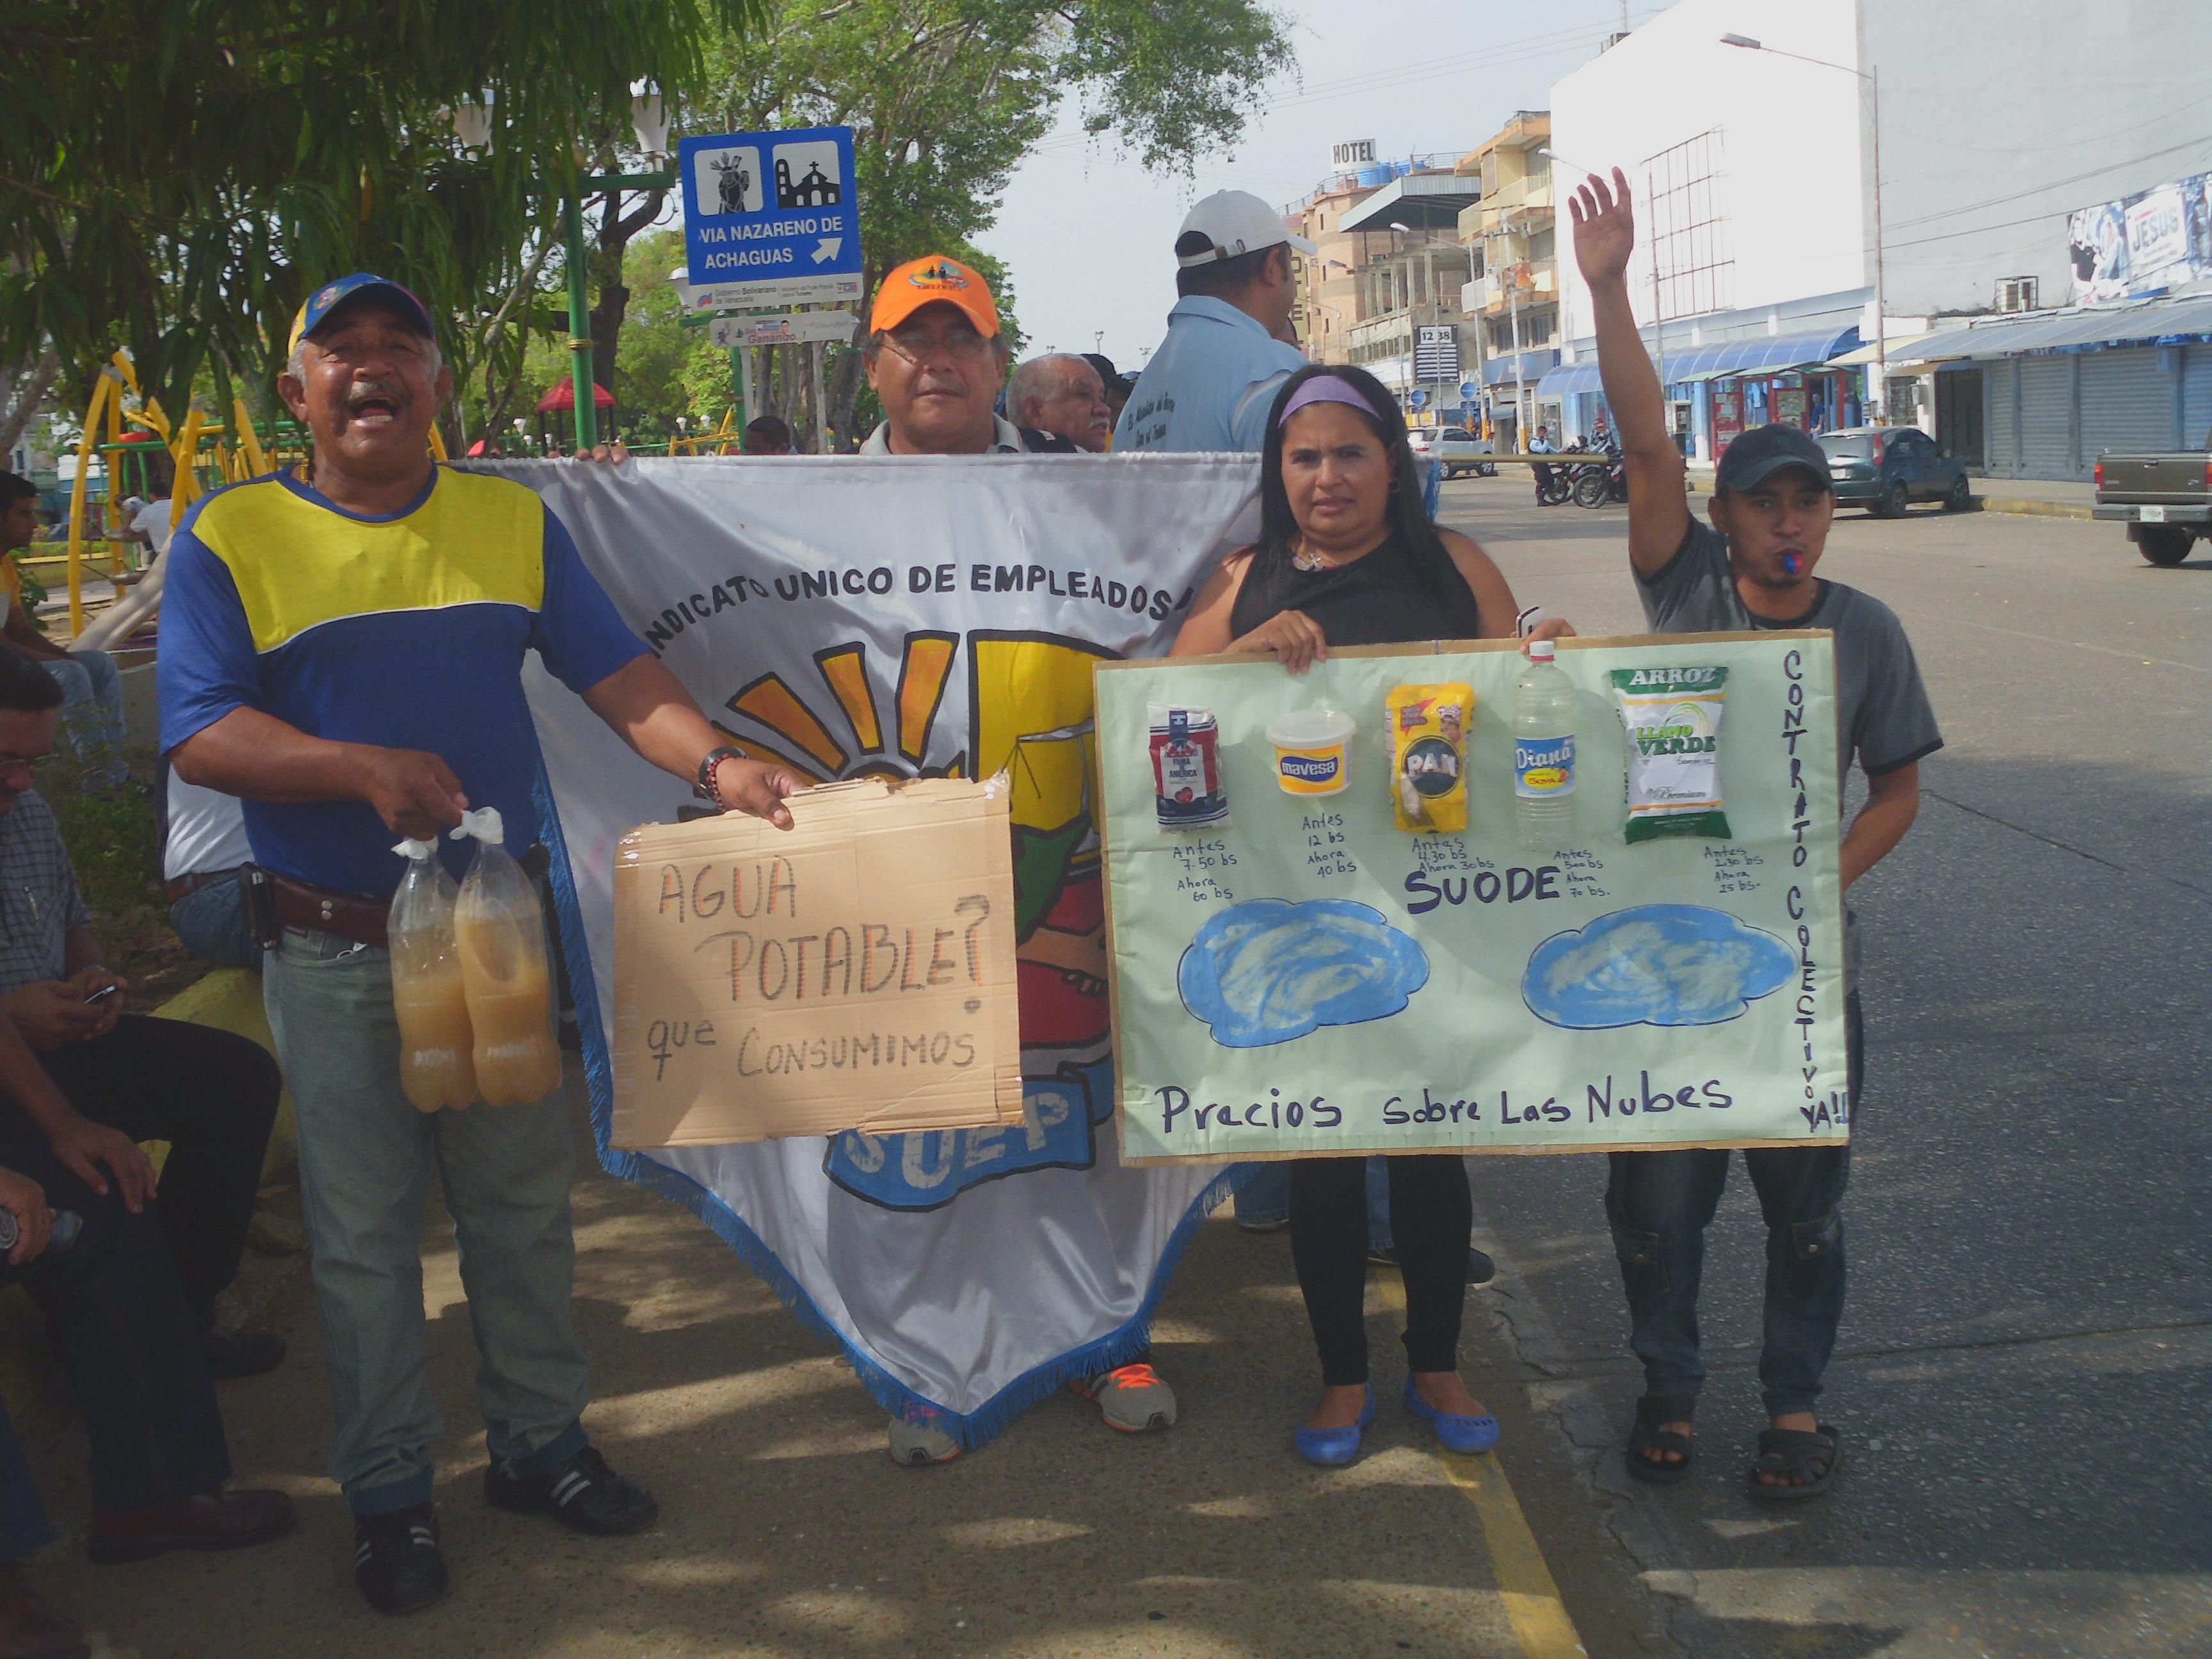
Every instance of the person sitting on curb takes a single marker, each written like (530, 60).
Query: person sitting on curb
(1771, 509)
(160, 1461)
(93, 720)
(211, 1095)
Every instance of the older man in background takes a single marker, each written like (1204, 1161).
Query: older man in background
(1062, 394)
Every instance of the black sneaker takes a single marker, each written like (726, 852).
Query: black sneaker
(396, 1560)
(241, 1353)
(583, 1494)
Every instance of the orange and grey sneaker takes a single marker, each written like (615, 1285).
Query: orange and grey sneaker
(918, 1445)
(1132, 1399)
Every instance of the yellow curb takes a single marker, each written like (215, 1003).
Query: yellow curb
(1525, 1584)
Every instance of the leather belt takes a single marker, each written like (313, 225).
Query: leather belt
(349, 915)
(185, 886)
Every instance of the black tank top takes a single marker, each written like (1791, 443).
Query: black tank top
(1379, 599)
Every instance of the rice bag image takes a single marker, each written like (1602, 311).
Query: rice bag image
(1428, 726)
(1673, 720)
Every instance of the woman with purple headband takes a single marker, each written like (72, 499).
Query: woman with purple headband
(1348, 556)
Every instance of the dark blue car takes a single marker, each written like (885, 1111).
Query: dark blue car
(1885, 469)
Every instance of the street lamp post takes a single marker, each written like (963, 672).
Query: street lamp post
(649, 115)
(1881, 294)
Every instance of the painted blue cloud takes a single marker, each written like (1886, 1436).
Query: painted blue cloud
(1657, 965)
(1268, 970)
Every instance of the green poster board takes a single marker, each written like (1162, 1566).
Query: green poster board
(1307, 978)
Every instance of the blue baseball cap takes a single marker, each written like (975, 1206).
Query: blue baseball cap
(330, 295)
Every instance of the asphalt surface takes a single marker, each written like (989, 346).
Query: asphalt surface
(2022, 1379)
(2025, 1367)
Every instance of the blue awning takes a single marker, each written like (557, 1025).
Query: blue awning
(1533, 366)
(1758, 354)
(1567, 379)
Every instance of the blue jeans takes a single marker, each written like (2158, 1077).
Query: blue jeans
(132, 1351)
(367, 1159)
(93, 729)
(211, 921)
(1660, 1205)
(1264, 1199)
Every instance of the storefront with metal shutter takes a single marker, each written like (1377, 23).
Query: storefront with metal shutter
(2046, 418)
(2196, 397)
(2129, 401)
(2000, 417)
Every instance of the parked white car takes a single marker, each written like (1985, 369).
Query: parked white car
(1455, 448)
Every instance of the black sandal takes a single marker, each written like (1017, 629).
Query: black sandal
(1807, 1462)
(1651, 1410)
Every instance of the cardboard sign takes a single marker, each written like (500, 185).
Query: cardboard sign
(853, 972)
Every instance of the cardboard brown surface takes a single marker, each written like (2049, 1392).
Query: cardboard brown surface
(853, 972)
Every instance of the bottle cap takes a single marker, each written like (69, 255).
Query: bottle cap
(482, 823)
(411, 848)
(1540, 651)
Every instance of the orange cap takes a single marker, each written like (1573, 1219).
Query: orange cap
(929, 281)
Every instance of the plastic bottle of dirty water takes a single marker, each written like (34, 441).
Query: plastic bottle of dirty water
(501, 930)
(436, 1066)
(1544, 752)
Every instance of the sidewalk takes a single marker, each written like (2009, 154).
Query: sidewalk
(786, 1531)
(2042, 498)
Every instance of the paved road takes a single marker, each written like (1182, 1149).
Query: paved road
(2023, 1380)
(2026, 1368)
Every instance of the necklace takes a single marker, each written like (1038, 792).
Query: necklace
(1304, 558)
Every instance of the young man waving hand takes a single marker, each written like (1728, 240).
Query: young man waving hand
(1751, 568)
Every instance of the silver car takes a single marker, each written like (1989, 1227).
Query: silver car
(1454, 448)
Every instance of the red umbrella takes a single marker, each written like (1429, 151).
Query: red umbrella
(563, 396)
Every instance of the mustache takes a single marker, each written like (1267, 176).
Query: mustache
(389, 392)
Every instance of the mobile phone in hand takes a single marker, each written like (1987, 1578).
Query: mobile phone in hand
(103, 994)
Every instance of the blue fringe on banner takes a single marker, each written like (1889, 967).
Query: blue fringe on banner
(972, 1430)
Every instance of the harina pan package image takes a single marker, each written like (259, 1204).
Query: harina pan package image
(1428, 727)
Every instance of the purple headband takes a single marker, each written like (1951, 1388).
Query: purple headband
(1325, 389)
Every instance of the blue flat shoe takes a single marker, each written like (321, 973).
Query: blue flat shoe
(1333, 1447)
(1468, 1435)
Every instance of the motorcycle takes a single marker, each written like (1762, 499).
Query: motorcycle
(1555, 485)
(1597, 483)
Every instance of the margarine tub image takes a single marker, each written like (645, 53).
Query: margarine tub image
(1313, 750)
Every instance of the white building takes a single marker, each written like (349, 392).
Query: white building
(1997, 117)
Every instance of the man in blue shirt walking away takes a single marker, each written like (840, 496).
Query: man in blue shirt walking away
(1210, 384)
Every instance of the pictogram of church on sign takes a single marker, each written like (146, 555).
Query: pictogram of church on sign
(812, 189)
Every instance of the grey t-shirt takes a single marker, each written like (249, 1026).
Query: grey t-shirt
(1882, 713)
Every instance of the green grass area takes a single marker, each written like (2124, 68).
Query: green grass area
(114, 842)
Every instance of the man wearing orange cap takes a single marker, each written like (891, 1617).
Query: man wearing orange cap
(936, 360)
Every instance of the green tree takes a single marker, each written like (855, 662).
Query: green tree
(946, 96)
(175, 174)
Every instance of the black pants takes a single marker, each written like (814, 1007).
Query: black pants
(212, 1096)
(132, 1353)
(1429, 1215)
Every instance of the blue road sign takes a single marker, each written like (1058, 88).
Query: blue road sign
(768, 207)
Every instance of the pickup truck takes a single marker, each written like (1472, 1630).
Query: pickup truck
(2165, 500)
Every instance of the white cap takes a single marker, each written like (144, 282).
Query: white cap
(1540, 651)
(1236, 221)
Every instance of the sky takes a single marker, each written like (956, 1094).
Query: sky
(1088, 237)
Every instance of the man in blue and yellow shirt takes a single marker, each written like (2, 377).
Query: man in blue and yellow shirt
(342, 648)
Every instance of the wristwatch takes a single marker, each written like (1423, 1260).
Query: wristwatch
(703, 785)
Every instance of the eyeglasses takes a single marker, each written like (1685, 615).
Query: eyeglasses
(962, 345)
(23, 765)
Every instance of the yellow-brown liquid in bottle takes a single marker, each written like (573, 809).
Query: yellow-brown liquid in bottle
(510, 1006)
(437, 1063)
